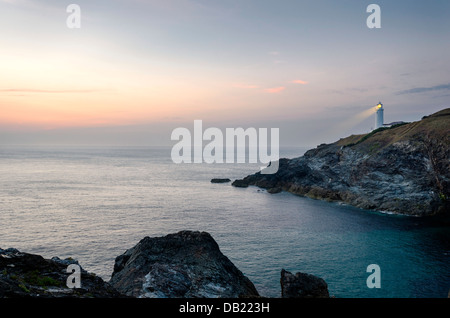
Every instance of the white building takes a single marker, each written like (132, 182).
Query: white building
(379, 119)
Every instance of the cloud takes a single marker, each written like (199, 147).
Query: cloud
(425, 89)
(271, 90)
(245, 86)
(299, 82)
(11, 1)
(275, 90)
(29, 4)
(48, 91)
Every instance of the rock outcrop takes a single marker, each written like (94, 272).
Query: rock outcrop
(302, 285)
(30, 275)
(240, 183)
(182, 265)
(186, 264)
(220, 180)
(403, 169)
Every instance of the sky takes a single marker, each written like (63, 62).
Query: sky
(137, 69)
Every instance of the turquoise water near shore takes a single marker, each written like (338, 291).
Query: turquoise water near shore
(93, 203)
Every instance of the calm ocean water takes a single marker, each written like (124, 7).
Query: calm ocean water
(94, 203)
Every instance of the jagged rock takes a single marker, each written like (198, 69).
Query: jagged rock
(302, 285)
(274, 190)
(220, 180)
(182, 265)
(30, 275)
(240, 183)
(403, 169)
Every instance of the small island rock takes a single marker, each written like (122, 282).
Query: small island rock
(220, 180)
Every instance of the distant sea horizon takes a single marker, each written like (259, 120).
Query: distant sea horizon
(92, 203)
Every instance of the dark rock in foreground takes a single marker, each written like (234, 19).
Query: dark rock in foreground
(302, 285)
(29, 275)
(182, 265)
(220, 180)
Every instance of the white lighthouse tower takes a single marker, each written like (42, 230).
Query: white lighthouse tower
(379, 120)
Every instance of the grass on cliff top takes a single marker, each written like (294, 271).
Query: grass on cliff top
(36, 279)
(435, 126)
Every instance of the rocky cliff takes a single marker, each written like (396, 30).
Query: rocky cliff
(403, 169)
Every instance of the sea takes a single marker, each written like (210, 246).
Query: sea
(93, 203)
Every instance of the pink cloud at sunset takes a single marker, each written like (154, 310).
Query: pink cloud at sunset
(245, 86)
(275, 90)
(299, 82)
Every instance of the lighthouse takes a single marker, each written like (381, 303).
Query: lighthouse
(379, 116)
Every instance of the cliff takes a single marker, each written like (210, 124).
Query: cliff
(403, 169)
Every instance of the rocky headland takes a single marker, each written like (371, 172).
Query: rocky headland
(187, 264)
(402, 169)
